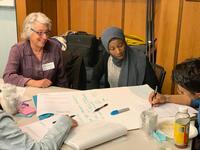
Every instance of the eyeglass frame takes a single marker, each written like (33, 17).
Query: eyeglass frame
(40, 33)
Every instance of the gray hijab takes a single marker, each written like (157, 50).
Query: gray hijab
(133, 65)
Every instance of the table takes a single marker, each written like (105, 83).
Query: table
(136, 139)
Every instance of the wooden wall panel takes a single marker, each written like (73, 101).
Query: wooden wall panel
(33, 6)
(20, 6)
(63, 23)
(166, 33)
(135, 17)
(109, 13)
(49, 7)
(190, 33)
(82, 15)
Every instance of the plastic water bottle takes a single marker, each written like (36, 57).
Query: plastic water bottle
(181, 128)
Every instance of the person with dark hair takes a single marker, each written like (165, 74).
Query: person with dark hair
(187, 77)
(122, 65)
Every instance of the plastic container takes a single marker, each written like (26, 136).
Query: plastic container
(149, 121)
(181, 128)
(10, 99)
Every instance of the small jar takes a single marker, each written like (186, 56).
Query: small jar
(9, 100)
(8, 89)
(149, 121)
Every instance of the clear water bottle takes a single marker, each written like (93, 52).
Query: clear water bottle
(181, 128)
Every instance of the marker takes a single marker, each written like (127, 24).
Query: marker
(97, 109)
(116, 112)
(155, 93)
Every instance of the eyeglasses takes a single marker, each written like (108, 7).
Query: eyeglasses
(47, 33)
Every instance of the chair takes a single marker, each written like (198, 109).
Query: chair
(160, 74)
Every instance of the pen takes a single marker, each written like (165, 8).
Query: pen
(155, 93)
(69, 116)
(99, 108)
(116, 112)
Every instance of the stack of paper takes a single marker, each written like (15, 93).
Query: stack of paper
(94, 133)
(81, 137)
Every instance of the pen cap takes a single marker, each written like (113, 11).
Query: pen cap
(123, 110)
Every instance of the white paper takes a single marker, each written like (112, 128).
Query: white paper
(83, 103)
(81, 137)
(95, 133)
(170, 109)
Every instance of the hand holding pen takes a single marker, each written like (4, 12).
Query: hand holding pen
(155, 98)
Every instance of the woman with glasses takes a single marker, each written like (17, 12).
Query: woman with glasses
(121, 64)
(37, 61)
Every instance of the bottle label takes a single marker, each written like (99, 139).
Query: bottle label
(181, 133)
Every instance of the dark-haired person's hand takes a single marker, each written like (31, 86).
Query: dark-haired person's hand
(158, 99)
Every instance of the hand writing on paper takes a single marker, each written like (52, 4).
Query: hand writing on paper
(157, 99)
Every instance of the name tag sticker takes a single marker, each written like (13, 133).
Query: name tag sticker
(48, 66)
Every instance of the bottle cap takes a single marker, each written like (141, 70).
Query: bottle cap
(183, 109)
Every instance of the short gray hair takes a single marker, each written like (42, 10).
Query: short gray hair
(30, 20)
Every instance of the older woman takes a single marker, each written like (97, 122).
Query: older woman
(122, 65)
(37, 60)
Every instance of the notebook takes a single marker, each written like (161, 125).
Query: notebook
(94, 133)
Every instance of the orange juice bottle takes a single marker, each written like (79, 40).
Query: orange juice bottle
(181, 128)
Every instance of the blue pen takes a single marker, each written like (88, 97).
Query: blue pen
(116, 112)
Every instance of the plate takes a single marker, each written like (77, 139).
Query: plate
(166, 126)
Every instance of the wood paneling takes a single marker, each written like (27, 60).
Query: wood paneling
(167, 23)
(33, 6)
(109, 13)
(49, 7)
(135, 17)
(62, 16)
(82, 15)
(190, 33)
(20, 15)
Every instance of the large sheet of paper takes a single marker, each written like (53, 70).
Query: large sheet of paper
(83, 103)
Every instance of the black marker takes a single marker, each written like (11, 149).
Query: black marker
(97, 109)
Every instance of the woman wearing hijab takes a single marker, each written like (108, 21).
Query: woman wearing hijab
(122, 65)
